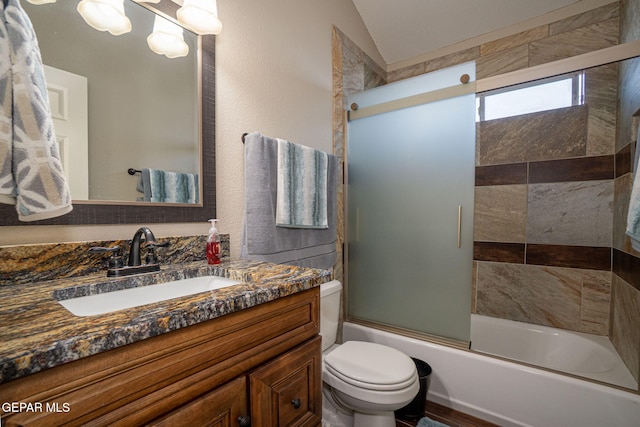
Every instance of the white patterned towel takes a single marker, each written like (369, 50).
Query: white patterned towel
(31, 175)
(301, 187)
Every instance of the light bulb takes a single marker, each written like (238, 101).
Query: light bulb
(105, 15)
(167, 39)
(200, 16)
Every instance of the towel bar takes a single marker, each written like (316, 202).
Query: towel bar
(132, 171)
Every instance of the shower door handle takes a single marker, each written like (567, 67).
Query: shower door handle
(459, 226)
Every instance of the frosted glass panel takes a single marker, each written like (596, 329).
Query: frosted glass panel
(408, 172)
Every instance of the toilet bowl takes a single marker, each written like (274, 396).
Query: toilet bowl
(368, 380)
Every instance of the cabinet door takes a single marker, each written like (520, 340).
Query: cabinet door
(288, 390)
(222, 407)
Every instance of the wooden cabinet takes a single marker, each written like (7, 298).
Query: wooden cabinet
(222, 407)
(287, 390)
(264, 361)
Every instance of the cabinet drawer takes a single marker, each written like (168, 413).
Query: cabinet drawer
(287, 390)
(219, 408)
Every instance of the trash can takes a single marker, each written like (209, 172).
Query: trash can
(415, 409)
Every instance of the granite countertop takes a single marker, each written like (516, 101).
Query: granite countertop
(37, 333)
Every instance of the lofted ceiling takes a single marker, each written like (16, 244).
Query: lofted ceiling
(403, 29)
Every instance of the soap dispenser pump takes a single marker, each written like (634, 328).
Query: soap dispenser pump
(213, 244)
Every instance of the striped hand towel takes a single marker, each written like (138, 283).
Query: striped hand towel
(301, 186)
(168, 187)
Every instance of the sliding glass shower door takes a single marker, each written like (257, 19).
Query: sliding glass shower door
(410, 204)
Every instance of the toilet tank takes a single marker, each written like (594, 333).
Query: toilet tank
(329, 312)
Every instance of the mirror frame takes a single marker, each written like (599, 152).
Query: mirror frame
(127, 213)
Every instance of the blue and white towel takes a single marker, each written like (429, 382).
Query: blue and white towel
(168, 187)
(633, 217)
(261, 239)
(302, 186)
(31, 175)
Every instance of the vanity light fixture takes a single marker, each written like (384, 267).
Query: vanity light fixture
(167, 39)
(105, 15)
(200, 16)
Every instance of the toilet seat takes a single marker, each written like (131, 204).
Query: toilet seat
(371, 366)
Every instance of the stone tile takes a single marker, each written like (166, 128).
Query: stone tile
(499, 252)
(546, 135)
(585, 257)
(591, 168)
(594, 16)
(547, 296)
(513, 173)
(452, 59)
(629, 102)
(514, 40)
(627, 267)
(500, 213)
(352, 73)
(474, 287)
(601, 98)
(571, 213)
(372, 78)
(630, 29)
(406, 72)
(576, 42)
(596, 302)
(621, 199)
(623, 159)
(516, 58)
(625, 318)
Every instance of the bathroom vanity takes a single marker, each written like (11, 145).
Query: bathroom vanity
(256, 361)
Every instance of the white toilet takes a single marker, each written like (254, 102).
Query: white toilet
(367, 380)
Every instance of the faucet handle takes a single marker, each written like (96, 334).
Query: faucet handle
(151, 257)
(115, 261)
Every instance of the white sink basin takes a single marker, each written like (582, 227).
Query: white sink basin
(108, 302)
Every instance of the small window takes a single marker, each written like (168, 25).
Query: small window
(541, 95)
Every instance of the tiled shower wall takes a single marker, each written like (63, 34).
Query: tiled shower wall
(552, 200)
(625, 307)
(544, 214)
(550, 209)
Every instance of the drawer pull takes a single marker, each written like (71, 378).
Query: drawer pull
(244, 421)
(295, 403)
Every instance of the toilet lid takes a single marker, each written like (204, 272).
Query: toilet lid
(371, 366)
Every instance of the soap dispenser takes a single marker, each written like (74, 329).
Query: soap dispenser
(213, 244)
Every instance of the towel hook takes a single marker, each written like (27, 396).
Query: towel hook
(243, 135)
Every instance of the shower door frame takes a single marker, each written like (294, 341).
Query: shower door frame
(597, 58)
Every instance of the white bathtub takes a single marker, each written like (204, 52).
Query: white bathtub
(510, 394)
(586, 355)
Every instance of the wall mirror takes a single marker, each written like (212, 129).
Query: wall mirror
(144, 110)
